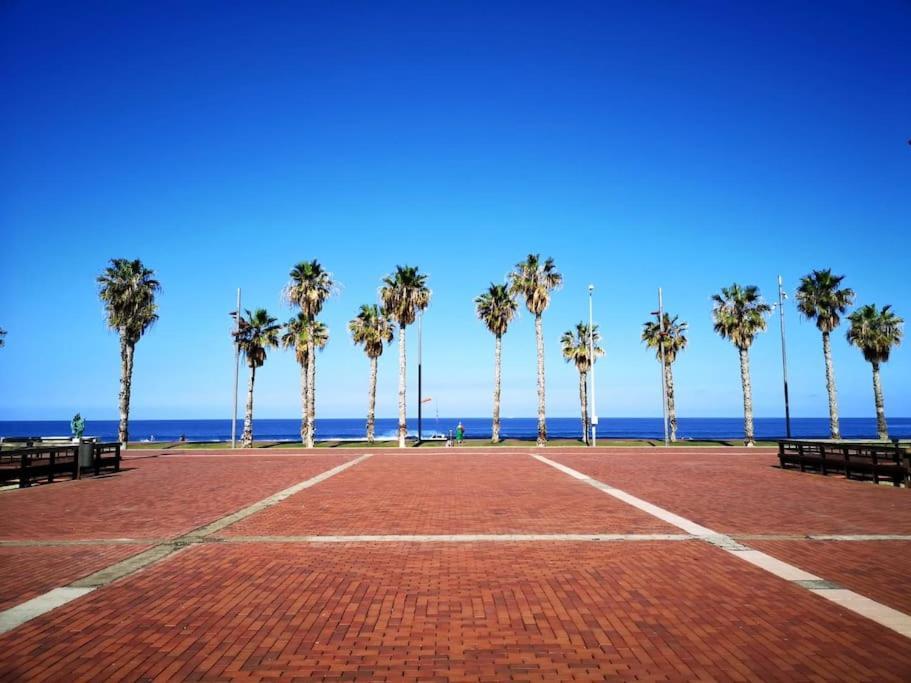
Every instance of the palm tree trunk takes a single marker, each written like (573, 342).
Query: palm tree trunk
(311, 390)
(830, 386)
(882, 429)
(126, 384)
(304, 402)
(583, 399)
(497, 376)
(371, 405)
(671, 409)
(247, 438)
(747, 397)
(403, 425)
(542, 423)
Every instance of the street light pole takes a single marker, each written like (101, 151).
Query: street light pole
(236, 370)
(784, 357)
(591, 354)
(420, 352)
(663, 378)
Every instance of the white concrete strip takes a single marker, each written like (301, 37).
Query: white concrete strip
(885, 616)
(14, 616)
(662, 514)
(865, 607)
(783, 570)
(455, 538)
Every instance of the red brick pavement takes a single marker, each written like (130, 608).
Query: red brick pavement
(650, 611)
(26, 572)
(739, 491)
(159, 497)
(449, 493)
(881, 570)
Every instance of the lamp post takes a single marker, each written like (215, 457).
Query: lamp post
(420, 351)
(591, 354)
(236, 370)
(782, 295)
(660, 314)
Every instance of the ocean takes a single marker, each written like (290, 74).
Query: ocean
(477, 427)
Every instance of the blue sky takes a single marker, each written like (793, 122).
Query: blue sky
(686, 145)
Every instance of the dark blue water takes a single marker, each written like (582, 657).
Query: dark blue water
(517, 427)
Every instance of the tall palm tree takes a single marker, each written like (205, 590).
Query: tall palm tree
(127, 289)
(496, 308)
(740, 314)
(577, 348)
(295, 335)
(672, 339)
(820, 297)
(255, 332)
(875, 332)
(403, 294)
(308, 289)
(535, 281)
(371, 329)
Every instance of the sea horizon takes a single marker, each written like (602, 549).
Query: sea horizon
(288, 429)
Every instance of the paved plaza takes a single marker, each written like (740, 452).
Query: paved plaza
(456, 564)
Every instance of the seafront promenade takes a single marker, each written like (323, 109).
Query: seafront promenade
(456, 564)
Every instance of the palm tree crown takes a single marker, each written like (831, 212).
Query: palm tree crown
(256, 332)
(296, 332)
(819, 298)
(535, 281)
(2, 337)
(128, 289)
(576, 349)
(875, 332)
(404, 293)
(739, 314)
(496, 308)
(673, 338)
(371, 329)
(309, 287)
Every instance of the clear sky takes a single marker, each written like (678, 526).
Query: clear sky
(681, 144)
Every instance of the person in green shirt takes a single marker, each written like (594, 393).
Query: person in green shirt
(78, 425)
(460, 434)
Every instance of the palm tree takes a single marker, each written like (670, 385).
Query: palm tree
(496, 308)
(256, 332)
(577, 348)
(819, 297)
(295, 336)
(308, 289)
(535, 281)
(403, 294)
(672, 340)
(371, 329)
(740, 314)
(875, 332)
(2, 337)
(127, 289)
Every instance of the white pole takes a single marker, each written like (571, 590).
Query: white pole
(663, 382)
(236, 372)
(591, 353)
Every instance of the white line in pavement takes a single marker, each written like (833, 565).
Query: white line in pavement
(14, 616)
(454, 538)
(865, 607)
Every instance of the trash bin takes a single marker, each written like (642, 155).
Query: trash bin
(86, 452)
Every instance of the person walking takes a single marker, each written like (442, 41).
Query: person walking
(460, 434)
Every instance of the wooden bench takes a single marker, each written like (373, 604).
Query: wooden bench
(855, 460)
(36, 463)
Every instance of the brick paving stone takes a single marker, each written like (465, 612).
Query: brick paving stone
(741, 491)
(644, 611)
(27, 572)
(450, 493)
(152, 497)
(880, 570)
